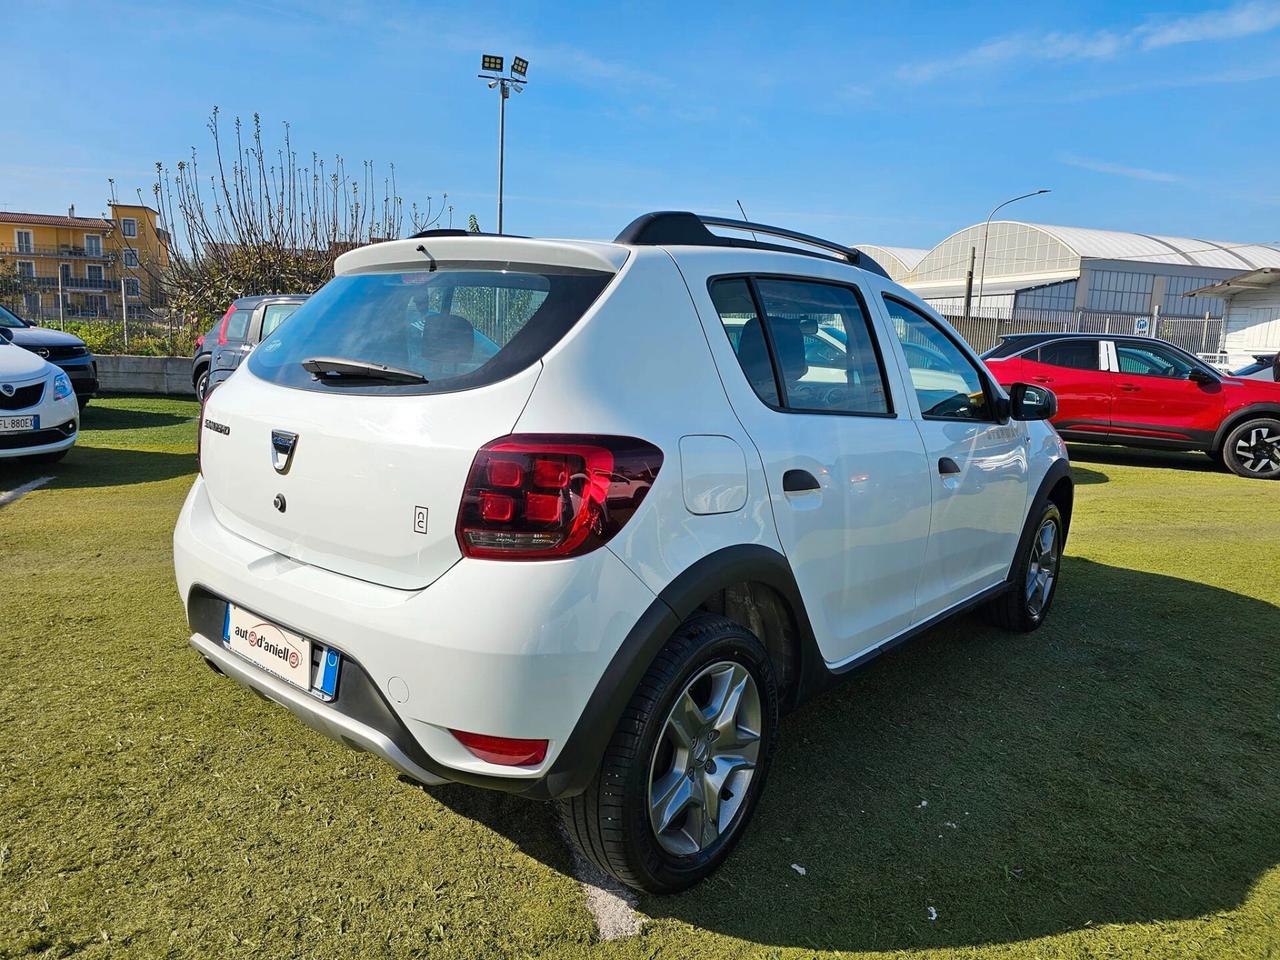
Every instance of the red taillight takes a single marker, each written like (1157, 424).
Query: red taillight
(538, 496)
(508, 751)
(222, 327)
(200, 341)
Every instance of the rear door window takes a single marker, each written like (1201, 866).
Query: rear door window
(813, 350)
(459, 326)
(1076, 354)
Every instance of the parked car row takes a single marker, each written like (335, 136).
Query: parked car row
(39, 415)
(67, 352)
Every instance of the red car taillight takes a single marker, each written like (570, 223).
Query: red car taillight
(541, 497)
(507, 751)
(200, 341)
(222, 327)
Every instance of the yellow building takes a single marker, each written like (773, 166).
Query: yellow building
(93, 263)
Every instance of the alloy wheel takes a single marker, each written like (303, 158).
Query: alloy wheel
(1042, 568)
(705, 759)
(1259, 452)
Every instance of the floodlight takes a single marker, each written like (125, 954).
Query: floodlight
(519, 66)
(489, 62)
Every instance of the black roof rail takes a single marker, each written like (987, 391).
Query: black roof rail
(681, 228)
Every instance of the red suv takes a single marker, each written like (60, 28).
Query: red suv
(1147, 393)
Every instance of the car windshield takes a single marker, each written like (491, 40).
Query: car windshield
(457, 326)
(10, 320)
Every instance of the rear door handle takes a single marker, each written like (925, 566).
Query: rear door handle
(947, 466)
(1130, 388)
(797, 481)
(1043, 379)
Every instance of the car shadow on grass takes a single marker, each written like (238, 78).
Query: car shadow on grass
(1083, 476)
(85, 467)
(976, 787)
(100, 417)
(1139, 457)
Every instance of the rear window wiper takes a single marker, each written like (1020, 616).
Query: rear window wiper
(337, 369)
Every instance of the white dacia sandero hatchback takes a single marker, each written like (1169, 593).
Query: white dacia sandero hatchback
(577, 520)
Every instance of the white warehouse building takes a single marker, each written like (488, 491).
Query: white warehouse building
(1034, 275)
(1252, 322)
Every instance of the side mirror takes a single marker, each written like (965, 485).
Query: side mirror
(1196, 375)
(5, 335)
(1029, 402)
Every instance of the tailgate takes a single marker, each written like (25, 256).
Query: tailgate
(374, 482)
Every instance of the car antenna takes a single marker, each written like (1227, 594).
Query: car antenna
(747, 219)
(423, 250)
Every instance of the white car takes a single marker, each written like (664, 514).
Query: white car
(39, 416)
(595, 564)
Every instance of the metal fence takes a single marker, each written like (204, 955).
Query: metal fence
(146, 331)
(1200, 335)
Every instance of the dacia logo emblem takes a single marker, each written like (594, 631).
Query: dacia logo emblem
(283, 443)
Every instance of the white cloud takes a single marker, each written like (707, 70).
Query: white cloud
(1242, 20)
(1119, 170)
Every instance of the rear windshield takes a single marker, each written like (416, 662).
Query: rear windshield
(459, 326)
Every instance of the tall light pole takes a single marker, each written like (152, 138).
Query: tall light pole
(982, 275)
(491, 67)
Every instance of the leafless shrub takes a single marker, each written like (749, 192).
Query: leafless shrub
(260, 221)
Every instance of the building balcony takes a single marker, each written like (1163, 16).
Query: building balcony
(60, 252)
(73, 284)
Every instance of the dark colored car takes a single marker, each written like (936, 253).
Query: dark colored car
(63, 349)
(242, 327)
(1143, 392)
(1265, 366)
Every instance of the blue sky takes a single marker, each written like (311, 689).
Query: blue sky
(886, 123)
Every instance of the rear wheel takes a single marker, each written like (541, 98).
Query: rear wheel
(1253, 449)
(202, 383)
(685, 767)
(1024, 606)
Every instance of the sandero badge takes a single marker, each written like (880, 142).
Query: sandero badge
(283, 443)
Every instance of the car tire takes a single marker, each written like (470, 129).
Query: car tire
(1252, 449)
(643, 818)
(82, 402)
(202, 383)
(1034, 579)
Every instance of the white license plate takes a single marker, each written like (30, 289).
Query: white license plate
(272, 648)
(19, 424)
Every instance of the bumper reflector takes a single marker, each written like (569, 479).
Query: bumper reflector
(507, 751)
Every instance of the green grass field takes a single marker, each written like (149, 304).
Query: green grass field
(1108, 787)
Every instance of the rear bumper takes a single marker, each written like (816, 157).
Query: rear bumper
(508, 649)
(330, 719)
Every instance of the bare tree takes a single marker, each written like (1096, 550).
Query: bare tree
(257, 220)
